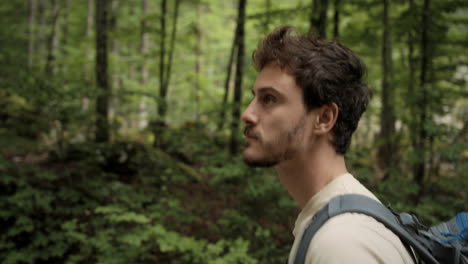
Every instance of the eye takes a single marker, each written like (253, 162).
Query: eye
(268, 99)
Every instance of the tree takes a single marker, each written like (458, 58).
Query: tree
(318, 17)
(233, 146)
(410, 102)
(421, 145)
(267, 18)
(228, 78)
(89, 29)
(102, 78)
(144, 47)
(52, 39)
(164, 70)
(65, 35)
(88, 53)
(114, 76)
(198, 59)
(336, 20)
(32, 31)
(387, 150)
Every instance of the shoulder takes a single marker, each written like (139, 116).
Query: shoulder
(356, 238)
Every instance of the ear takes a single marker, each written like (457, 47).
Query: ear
(326, 118)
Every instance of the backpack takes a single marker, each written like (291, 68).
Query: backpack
(441, 244)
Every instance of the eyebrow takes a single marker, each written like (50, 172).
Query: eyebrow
(266, 89)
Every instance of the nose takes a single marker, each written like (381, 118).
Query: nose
(249, 116)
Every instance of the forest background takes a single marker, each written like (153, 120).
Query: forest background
(120, 136)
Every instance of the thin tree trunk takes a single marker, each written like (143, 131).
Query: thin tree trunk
(387, 151)
(32, 32)
(162, 55)
(132, 73)
(63, 67)
(42, 36)
(114, 73)
(89, 18)
(233, 146)
(412, 119)
(88, 54)
(228, 80)
(56, 40)
(144, 41)
(89, 29)
(313, 20)
(318, 17)
(336, 20)
(198, 60)
(165, 72)
(171, 46)
(267, 21)
(322, 27)
(102, 102)
(52, 39)
(144, 46)
(425, 64)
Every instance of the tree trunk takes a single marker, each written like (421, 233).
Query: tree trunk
(171, 48)
(198, 60)
(233, 146)
(322, 26)
(267, 20)
(42, 35)
(115, 76)
(89, 29)
(132, 73)
(144, 41)
(425, 64)
(318, 18)
(162, 55)
(52, 39)
(63, 66)
(165, 72)
(228, 80)
(144, 46)
(387, 151)
(411, 101)
(314, 17)
(102, 102)
(336, 20)
(88, 54)
(89, 18)
(32, 32)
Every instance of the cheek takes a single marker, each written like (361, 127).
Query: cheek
(275, 133)
(281, 120)
(272, 129)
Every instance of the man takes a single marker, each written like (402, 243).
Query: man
(308, 98)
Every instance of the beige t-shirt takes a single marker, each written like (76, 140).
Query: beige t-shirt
(350, 237)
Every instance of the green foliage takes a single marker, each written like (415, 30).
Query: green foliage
(91, 213)
(125, 203)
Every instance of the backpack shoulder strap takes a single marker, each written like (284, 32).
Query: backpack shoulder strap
(353, 203)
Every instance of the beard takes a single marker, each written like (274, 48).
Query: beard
(282, 148)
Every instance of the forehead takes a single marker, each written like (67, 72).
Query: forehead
(273, 76)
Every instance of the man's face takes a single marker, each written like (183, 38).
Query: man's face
(276, 119)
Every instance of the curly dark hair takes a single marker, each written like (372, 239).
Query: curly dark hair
(326, 71)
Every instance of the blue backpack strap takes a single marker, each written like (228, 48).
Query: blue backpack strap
(353, 203)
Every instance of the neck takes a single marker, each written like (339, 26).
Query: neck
(308, 173)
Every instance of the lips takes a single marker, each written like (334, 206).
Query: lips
(250, 137)
(249, 134)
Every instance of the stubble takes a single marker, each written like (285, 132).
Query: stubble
(283, 148)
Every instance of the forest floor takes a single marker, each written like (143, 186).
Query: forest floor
(127, 202)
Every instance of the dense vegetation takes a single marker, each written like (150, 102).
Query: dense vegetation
(124, 147)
